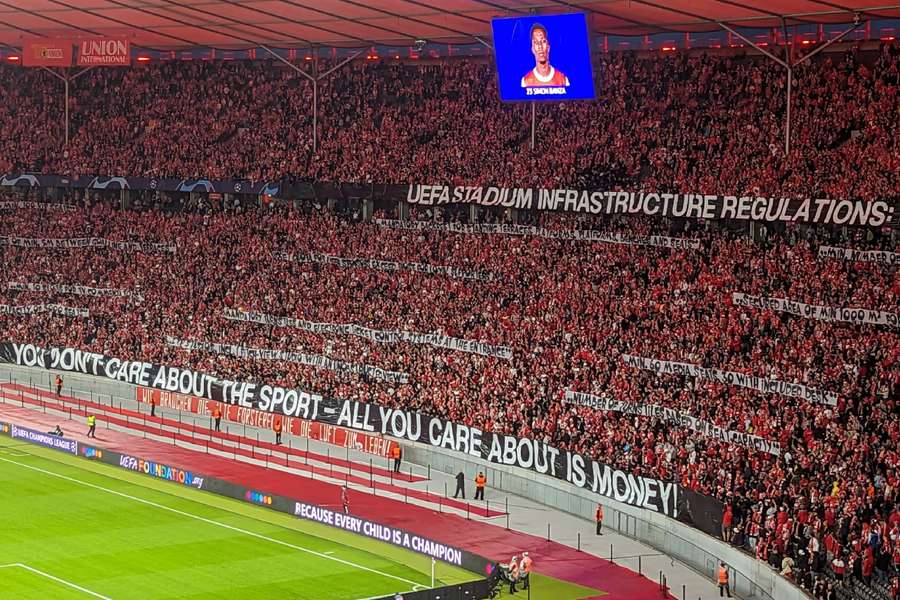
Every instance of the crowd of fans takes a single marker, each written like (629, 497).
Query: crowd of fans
(710, 124)
(567, 309)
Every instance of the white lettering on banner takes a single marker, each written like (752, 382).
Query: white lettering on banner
(378, 531)
(385, 265)
(674, 417)
(145, 247)
(760, 384)
(416, 427)
(33, 309)
(822, 313)
(528, 230)
(687, 205)
(77, 290)
(882, 257)
(375, 335)
(312, 360)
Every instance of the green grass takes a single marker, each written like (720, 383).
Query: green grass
(73, 528)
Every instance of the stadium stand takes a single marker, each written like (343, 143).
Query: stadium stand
(704, 123)
(568, 309)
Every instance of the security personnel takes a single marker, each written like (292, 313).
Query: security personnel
(599, 517)
(58, 385)
(525, 569)
(513, 574)
(217, 415)
(480, 480)
(723, 580)
(397, 455)
(276, 425)
(460, 485)
(92, 424)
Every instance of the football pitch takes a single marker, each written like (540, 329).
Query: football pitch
(72, 528)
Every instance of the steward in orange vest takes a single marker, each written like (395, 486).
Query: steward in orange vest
(480, 480)
(723, 580)
(599, 517)
(396, 454)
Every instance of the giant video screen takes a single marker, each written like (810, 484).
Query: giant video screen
(543, 57)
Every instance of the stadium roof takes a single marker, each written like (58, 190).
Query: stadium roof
(169, 24)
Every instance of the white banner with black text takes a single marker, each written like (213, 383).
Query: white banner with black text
(380, 336)
(34, 309)
(882, 257)
(554, 234)
(75, 290)
(761, 384)
(146, 247)
(312, 360)
(385, 265)
(676, 418)
(832, 314)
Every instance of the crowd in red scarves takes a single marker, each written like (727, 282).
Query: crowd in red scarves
(708, 124)
(567, 309)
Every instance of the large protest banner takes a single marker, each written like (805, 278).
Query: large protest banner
(635, 490)
(661, 204)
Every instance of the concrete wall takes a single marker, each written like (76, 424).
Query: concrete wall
(751, 579)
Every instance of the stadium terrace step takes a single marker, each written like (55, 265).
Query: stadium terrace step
(229, 443)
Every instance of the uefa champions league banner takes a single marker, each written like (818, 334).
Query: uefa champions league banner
(882, 257)
(676, 418)
(645, 492)
(808, 211)
(832, 314)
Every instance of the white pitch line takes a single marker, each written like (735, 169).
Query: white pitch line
(58, 580)
(211, 522)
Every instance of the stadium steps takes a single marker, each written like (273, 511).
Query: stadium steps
(225, 443)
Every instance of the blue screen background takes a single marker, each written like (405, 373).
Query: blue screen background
(569, 53)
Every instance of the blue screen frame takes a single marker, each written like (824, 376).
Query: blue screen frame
(569, 55)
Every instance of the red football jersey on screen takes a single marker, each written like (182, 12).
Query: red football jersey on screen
(556, 79)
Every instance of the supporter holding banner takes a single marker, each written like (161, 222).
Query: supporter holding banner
(385, 265)
(104, 52)
(882, 257)
(822, 313)
(375, 335)
(46, 52)
(55, 309)
(760, 384)
(679, 419)
(77, 290)
(646, 492)
(313, 360)
(528, 230)
(146, 247)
